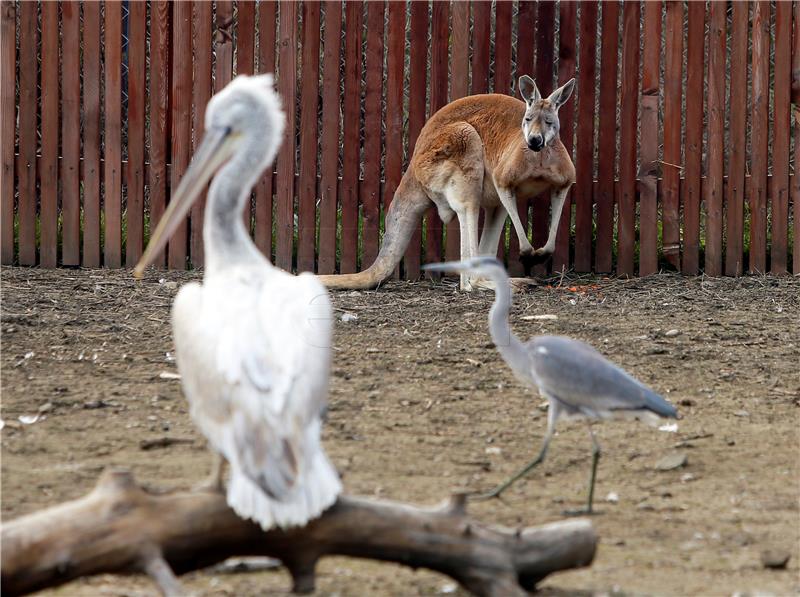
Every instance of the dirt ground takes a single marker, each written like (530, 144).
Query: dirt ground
(421, 404)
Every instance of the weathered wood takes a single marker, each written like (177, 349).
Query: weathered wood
(481, 33)
(48, 173)
(648, 170)
(369, 189)
(112, 135)
(267, 20)
(91, 134)
(352, 145)
(26, 160)
(119, 527)
(158, 98)
(137, 97)
(245, 65)
(673, 116)
(626, 210)
(693, 149)
(607, 137)
(716, 138)
(734, 212)
(794, 185)
(502, 47)
(781, 127)
(329, 139)
(8, 57)
(309, 96)
(759, 137)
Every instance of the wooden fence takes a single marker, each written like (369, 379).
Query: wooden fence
(687, 166)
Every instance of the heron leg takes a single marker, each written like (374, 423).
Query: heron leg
(519, 474)
(592, 477)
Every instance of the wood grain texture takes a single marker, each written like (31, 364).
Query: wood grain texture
(112, 155)
(629, 92)
(70, 133)
(309, 96)
(8, 57)
(48, 174)
(481, 35)
(329, 139)
(158, 99)
(648, 154)
(735, 193)
(673, 117)
(245, 65)
(502, 47)
(134, 213)
(90, 175)
(584, 147)
(759, 137)
(267, 21)
(715, 148)
(693, 148)
(795, 180)
(781, 127)
(27, 134)
(568, 17)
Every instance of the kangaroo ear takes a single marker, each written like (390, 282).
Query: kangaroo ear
(528, 90)
(561, 95)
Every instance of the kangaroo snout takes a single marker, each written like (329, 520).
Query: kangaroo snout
(536, 142)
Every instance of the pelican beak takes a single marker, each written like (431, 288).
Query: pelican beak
(447, 266)
(217, 147)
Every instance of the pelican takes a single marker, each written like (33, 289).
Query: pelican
(252, 341)
(577, 381)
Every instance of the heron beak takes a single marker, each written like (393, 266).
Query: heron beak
(216, 149)
(447, 266)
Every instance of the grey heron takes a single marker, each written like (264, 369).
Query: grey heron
(575, 378)
(253, 343)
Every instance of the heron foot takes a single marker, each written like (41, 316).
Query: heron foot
(581, 512)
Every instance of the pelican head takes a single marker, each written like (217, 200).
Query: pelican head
(244, 122)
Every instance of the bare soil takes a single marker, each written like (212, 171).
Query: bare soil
(421, 404)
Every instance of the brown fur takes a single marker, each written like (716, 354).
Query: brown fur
(466, 153)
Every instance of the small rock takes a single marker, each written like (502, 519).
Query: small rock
(46, 407)
(741, 413)
(545, 317)
(348, 317)
(672, 333)
(645, 507)
(671, 462)
(686, 477)
(775, 558)
(171, 285)
(612, 497)
(686, 402)
(494, 450)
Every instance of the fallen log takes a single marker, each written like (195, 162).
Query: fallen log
(121, 528)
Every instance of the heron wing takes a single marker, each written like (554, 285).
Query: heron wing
(255, 359)
(582, 378)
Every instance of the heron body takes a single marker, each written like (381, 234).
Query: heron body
(576, 379)
(252, 341)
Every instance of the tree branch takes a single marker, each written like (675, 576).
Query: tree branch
(120, 528)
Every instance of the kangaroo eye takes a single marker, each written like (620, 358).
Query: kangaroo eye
(549, 120)
(528, 118)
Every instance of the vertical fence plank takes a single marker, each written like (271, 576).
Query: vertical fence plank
(481, 33)
(70, 133)
(181, 120)
(112, 139)
(438, 97)
(370, 186)
(26, 161)
(309, 93)
(673, 115)
(267, 20)
(795, 180)
(8, 58)
(626, 213)
(136, 102)
(158, 130)
(48, 176)
(393, 144)
(350, 125)
(329, 141)
(459, 87)
(781, 127)
(716, 138)
(416, 112)
(568, 10)
(245, 65)
(502, 47)
(526, 21)
(648, 196)
(759, 138)
(201, 93)
(544, 80)
(91, 134)
(584, 158)
(693, 150)
(734, 212)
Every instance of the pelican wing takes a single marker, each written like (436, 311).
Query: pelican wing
(255, 359)
(582, 378)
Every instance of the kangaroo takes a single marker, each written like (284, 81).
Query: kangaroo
(471, 155)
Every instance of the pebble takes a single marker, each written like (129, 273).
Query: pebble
(347, 317)
(741, 413)
(171, 285)
(672, 461)
(672, 333)
(612, 498)
(775, 558)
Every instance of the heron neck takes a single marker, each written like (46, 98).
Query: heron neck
(226, 240)
(509, 346)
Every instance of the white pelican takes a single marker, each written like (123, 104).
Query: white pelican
(252, 342)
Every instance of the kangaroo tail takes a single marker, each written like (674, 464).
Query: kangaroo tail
(405, 211)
